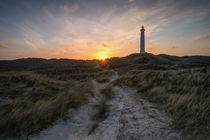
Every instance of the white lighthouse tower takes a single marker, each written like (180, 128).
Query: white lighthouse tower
(142, 40)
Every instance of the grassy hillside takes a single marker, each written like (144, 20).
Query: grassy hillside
(33, 64)
(178, 85)
(182, 93)
(135, 62)
(34, 92)
(31, 102)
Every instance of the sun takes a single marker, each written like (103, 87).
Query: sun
(102, 57)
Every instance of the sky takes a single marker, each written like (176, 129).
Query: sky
(92, 29)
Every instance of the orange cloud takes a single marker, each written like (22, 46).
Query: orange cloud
(70, 8)
(104, 45)
(203, 37)
(3, 46)
(30, 38)
(65, 7)
(173, 47)
(75, 7)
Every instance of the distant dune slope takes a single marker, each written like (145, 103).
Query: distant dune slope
(39, 63)
(156, 62)
(149, 61)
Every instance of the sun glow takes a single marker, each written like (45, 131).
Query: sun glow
(102, 57)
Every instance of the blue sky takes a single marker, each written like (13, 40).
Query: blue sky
(87, 29)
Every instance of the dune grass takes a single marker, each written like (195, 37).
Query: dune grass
(182, 93)
(102, 79)
(100, 115)
(31, 111)
(107, 91)
(104, 76)
(102, 108)
(79, 74)
(31, 101)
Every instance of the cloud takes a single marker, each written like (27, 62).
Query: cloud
(30, 38)
(64, 7)
(173, 47)
(70, 8)
(75, 7)
(204, 37)
(3, 46)
(102, 26)
(104, 45)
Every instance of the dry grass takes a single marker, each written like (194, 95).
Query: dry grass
(104, 76)
(100, 115)
(107, 91)
(182, 93)
(31, 111)
(102, 108)
(79, 74)
(32, 102)
(102, 79)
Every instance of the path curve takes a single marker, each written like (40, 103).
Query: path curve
(129, 118)
(78, 127)
(132, 118)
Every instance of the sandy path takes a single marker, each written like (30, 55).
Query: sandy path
(131, 118)
(128, 118)
(78, 127)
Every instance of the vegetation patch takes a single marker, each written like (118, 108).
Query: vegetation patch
(107, 91)
(102, 79)
(183, 93)
(30, 111)
(102, 108)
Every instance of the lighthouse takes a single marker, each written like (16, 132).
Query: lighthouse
(142, 40)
